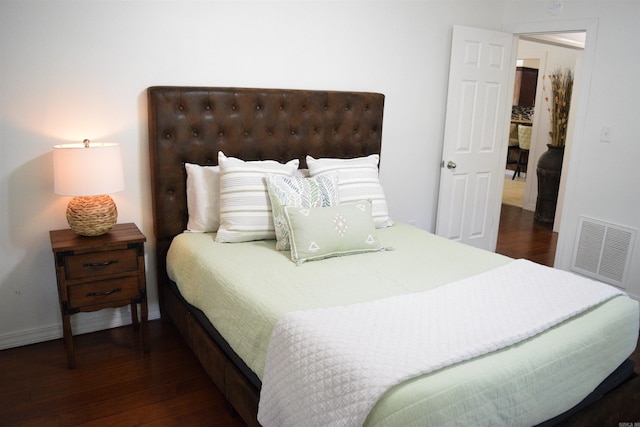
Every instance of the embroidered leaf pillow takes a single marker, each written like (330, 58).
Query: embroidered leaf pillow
(299, 192)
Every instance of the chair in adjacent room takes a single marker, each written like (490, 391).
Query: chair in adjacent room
(512, 154)
(524, 142)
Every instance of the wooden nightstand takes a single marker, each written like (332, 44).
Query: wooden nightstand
(99, 272)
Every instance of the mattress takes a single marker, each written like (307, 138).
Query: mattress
(245, 288)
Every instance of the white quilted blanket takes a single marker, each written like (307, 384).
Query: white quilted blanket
(328, 367)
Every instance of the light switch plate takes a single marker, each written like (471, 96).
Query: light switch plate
(605, 134)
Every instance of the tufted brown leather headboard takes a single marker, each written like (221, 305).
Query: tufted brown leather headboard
(191, 124)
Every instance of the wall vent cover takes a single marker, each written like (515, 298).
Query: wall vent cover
(603, 251)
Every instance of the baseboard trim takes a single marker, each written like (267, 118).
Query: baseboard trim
(81, 323)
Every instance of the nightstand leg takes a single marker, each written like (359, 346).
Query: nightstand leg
(134, 316)
(68, 340)
(145, 326)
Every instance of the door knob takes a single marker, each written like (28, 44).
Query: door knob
(451, 165)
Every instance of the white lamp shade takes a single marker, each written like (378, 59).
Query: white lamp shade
(87, 171)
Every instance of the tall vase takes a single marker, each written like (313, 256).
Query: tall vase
(548, 170)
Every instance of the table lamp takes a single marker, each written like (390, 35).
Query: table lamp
(89, 172)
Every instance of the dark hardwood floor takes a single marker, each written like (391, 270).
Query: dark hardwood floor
(519, 236)
(115, 383)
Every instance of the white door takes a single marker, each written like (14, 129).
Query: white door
(476, 129)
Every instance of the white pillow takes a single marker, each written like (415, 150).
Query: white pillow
(302, 173)
(245, 209)
(203, 198)
(358, 180)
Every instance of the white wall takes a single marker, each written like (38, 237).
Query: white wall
(72, 70)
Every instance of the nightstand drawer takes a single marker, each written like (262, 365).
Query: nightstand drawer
(100, 263)
(105, 291)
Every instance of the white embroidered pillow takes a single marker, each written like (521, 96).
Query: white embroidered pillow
(245, 209)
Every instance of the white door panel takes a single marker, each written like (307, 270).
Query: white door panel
(476, 127)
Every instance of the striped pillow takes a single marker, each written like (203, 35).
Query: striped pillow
(358, 180)
(245, 209)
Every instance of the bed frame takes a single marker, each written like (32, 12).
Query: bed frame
(190, 125)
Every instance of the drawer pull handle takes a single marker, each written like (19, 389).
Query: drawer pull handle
(101, 294)
(100, 264)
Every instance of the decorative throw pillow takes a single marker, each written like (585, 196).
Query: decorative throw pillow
(203, 198)
(299, 192)
(318, 233)
(358, 180)
(245, 209)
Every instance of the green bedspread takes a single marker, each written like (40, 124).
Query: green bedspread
(244, 288)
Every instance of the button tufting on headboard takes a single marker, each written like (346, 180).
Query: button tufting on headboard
(191, 124)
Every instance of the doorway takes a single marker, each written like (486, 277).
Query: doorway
(469, 199)
(519, 235)
(526, 92)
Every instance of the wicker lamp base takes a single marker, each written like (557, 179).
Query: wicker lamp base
(92, 215)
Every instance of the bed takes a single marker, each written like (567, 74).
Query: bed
(574, 361)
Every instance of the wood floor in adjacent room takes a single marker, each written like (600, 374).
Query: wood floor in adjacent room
(116, 384)
(519, 236)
